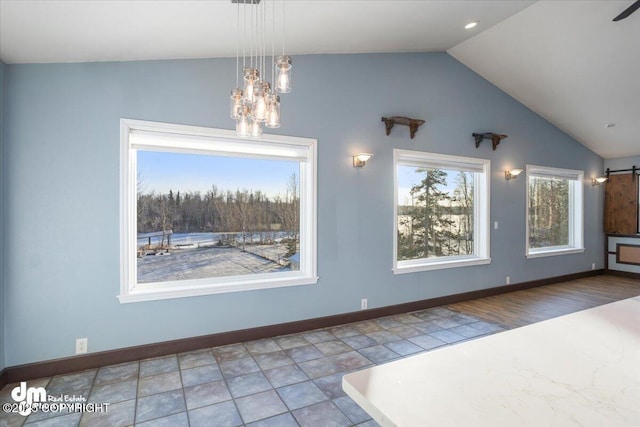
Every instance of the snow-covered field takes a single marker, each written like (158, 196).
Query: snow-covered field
(204, 262)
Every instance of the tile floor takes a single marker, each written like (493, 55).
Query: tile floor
(290, 380)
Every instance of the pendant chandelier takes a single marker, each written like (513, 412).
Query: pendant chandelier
(257, 103)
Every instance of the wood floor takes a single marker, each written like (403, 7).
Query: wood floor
(545, 302)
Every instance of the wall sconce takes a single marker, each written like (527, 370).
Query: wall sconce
(360, 159)
(511, 174)
(599, 180)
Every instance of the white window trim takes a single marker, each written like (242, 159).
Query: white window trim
(576, 212)
(200, 140)
(481, 206)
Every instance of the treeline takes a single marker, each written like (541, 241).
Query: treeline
(437, 223)
(548, 212)
(220, 211)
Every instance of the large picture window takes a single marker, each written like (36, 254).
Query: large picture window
(441, 211)
(554, 211)
(204, 211)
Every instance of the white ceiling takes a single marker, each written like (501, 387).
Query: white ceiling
(565, 60)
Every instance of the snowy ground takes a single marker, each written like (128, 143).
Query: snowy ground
(185, 264)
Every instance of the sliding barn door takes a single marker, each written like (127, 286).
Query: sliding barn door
(621, 204)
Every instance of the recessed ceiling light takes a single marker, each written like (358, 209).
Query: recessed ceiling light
(470, 25)
(609, 125)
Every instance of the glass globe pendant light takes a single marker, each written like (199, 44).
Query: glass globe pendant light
(251, 78)
(260, 106)
(254, 101)
(236, 103)
(242, 123)
(273, 112)
(255, 129)
(283, 67)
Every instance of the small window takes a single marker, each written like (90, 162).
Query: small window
(554, 211)
(441, 211)
(204, 211)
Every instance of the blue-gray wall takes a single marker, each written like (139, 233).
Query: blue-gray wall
(622, 163)
(61, 200)
(2, 170)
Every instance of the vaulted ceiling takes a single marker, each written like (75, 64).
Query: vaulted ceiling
(566, 60)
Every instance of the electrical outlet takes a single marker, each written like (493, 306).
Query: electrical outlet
(363, 304)
(508, 280)
(593, 265)
(495, 225)
(81, 345)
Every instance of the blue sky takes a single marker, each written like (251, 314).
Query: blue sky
(162, 171)
(408, 176)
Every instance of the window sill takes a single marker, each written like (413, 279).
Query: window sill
(554, 252)
(414, 266)
(169, 290)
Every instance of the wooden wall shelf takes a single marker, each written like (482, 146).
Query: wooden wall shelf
(413, 124)
(494, 137)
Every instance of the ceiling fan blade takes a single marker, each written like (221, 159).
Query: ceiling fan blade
(628, 11)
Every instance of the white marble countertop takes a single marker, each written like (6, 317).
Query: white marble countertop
(582, 369)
